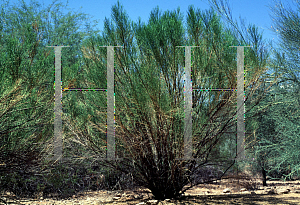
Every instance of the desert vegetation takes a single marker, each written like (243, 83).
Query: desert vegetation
(149, 101)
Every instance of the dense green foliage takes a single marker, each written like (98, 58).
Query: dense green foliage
(27, 77)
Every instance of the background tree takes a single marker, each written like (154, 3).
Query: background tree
(284, 111)
(283, 102)
(26, 110)
(276, 124)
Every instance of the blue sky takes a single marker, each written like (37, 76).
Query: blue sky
(253, 11)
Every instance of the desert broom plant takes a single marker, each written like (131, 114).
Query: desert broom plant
(149, 94)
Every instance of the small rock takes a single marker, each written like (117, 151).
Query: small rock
(140, 203)
(73, 196)
(167, 199)
(116, 198)
(118, 195)
(260, 188)
(8, 193)
(41, 198)
(152, 202)
(253, 193)
(243, 189)
(227, 190)
(124, 195)
(297, 191)
(283, 191)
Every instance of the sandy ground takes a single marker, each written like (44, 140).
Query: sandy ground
(200, 194)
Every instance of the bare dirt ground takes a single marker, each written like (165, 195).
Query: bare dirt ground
(277, 192)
